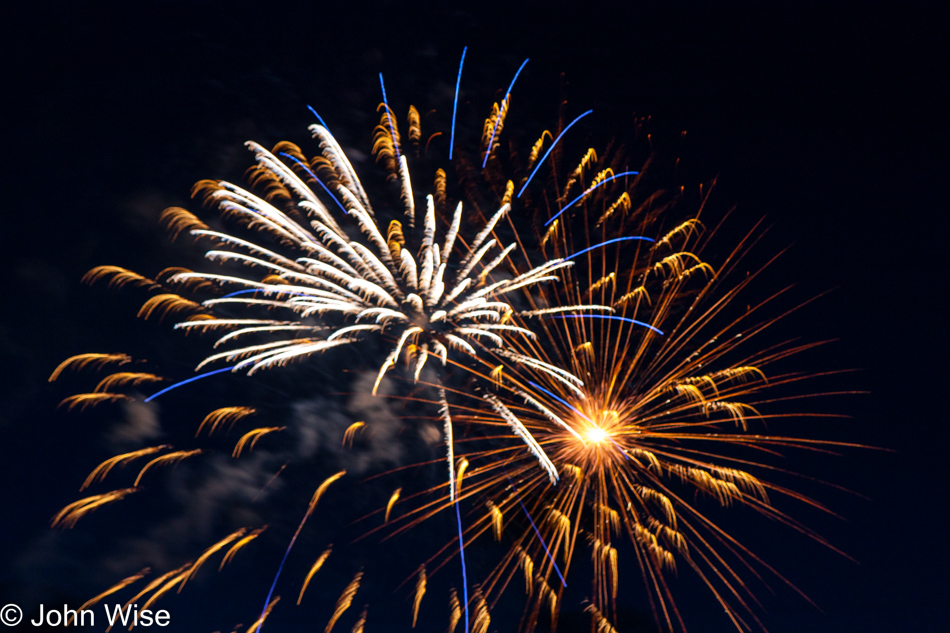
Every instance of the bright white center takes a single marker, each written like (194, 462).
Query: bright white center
(596, 434)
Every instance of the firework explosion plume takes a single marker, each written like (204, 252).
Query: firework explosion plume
(664, 423)
(591, 375)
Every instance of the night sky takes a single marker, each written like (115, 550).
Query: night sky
(831, 124)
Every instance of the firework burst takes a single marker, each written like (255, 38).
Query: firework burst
(336, 288)
(663, 426)
(601, 367)
(307, 265)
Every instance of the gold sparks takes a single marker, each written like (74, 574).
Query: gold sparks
(494, 124)
(509, 192)
(274, 190)
(439, 187)
(260, 621)
(177, 220)
(605, 555)
(527, 565)
(415, 126)
(209, 552)
(742, 374)
(313, 570)
(481, 620)
(239, 545)
(585, 349)
(386, 142)
(344, 601)
(603, 624)
(82, 401)
(68, 516)
(621, 204)
(601, 176)
(92, 361)
(660, 499)
(635, 295)
(546, 593)
(100, 471)
(738, 411)
(497, 373)
(551, 232)
(677, 263)
(395, 238)
(118, 277)
(351, 432)
(455, 610)
(392, 501)
(166, 304)
(155, 583)
(224, 416)
(603, 281)
(560, 522)
(419, 593)
(361, 621)
(249, 439)
(168, 586)
(589, 158)
(648, 541)
(122, 584)
(463, 466)
(536, 149)
(323, 488)
(685, 229)
(125, 379)
(169, 458)
(496, 520)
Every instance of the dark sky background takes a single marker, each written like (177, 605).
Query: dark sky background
(830, 123)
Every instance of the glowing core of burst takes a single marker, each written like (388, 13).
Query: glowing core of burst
(596, 434)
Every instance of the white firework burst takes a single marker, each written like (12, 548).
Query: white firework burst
(334, 288)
